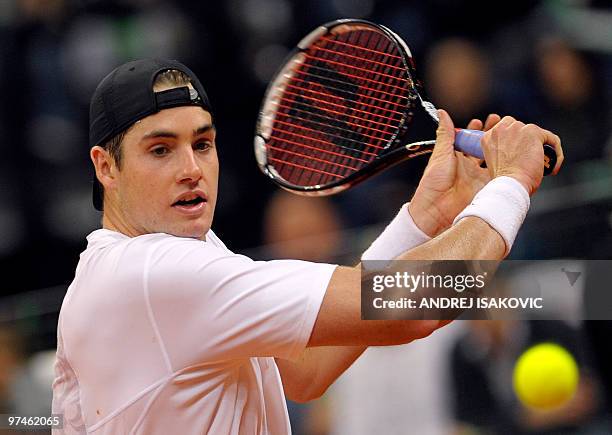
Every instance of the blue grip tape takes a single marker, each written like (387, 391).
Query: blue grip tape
(468, 141)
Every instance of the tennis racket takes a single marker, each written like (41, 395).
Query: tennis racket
(342, 109)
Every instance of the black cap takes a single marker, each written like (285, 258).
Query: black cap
(126, 96)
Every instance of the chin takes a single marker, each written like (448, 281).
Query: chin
(192, 232)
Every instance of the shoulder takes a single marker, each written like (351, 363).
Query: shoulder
(114, 261)
(142, 247)
(180, 250)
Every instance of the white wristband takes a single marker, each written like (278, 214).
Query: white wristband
(401, 235)
(503, 204)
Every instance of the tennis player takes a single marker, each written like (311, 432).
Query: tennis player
(165, 330)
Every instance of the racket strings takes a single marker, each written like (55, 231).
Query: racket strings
(302, 145)
(310, 75)
(365, 84)
(324, 146)
(326, 133)
(304, 168)
(367, 87)
(401, 69)
(384, 54)
(338, 163)
(374, 40)
(332, 120)
(366, 70)
(337, 112)
(374, 94)
(359, 101)
(316, 159)
(309, 131)
(298, 88)
(345, 86)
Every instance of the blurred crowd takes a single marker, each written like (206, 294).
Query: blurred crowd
(547, 62)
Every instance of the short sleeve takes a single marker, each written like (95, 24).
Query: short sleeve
(208, 304)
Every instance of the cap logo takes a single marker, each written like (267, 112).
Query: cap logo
(193, 94)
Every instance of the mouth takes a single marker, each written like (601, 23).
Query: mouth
(190, 202)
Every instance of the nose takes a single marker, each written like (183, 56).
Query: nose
(190, 170)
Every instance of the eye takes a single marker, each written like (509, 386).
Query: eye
(202, 146)
(160, 151)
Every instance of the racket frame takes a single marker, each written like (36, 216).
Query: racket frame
(395, 151)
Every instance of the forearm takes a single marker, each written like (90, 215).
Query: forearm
(309, 377)
(339, 321)
(470, 239)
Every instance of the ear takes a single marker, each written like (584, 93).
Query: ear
(105, 165)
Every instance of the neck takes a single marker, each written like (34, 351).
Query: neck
(113, 221)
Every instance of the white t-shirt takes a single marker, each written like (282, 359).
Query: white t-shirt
(161, 334)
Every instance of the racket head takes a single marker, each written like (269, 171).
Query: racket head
(337, 109)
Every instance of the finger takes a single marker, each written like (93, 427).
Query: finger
(560, 158)
(492, 119)
(472, 174)
(506, 121)
(476, 160)
(475, 124)
(445, 135)
(468, 162)
(548, 137)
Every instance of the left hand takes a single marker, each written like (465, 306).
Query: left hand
(450, 181)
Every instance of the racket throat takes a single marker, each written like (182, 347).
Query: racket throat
(431, 110)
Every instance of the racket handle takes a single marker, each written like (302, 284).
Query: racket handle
(468, 141)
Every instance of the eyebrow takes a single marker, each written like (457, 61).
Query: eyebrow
(170, 134)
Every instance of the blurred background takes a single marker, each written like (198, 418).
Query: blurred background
(547, 62)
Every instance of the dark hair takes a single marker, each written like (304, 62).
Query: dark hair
(113, 147)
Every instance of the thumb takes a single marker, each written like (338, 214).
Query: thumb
(445, 135)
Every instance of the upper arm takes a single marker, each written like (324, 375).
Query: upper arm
(339, 320)
(211, 305)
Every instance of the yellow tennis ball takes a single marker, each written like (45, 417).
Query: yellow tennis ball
(545, 376)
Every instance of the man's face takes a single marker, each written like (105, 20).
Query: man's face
(168, 177)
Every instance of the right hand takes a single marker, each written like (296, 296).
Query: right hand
(515, 149)
(450, 180)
